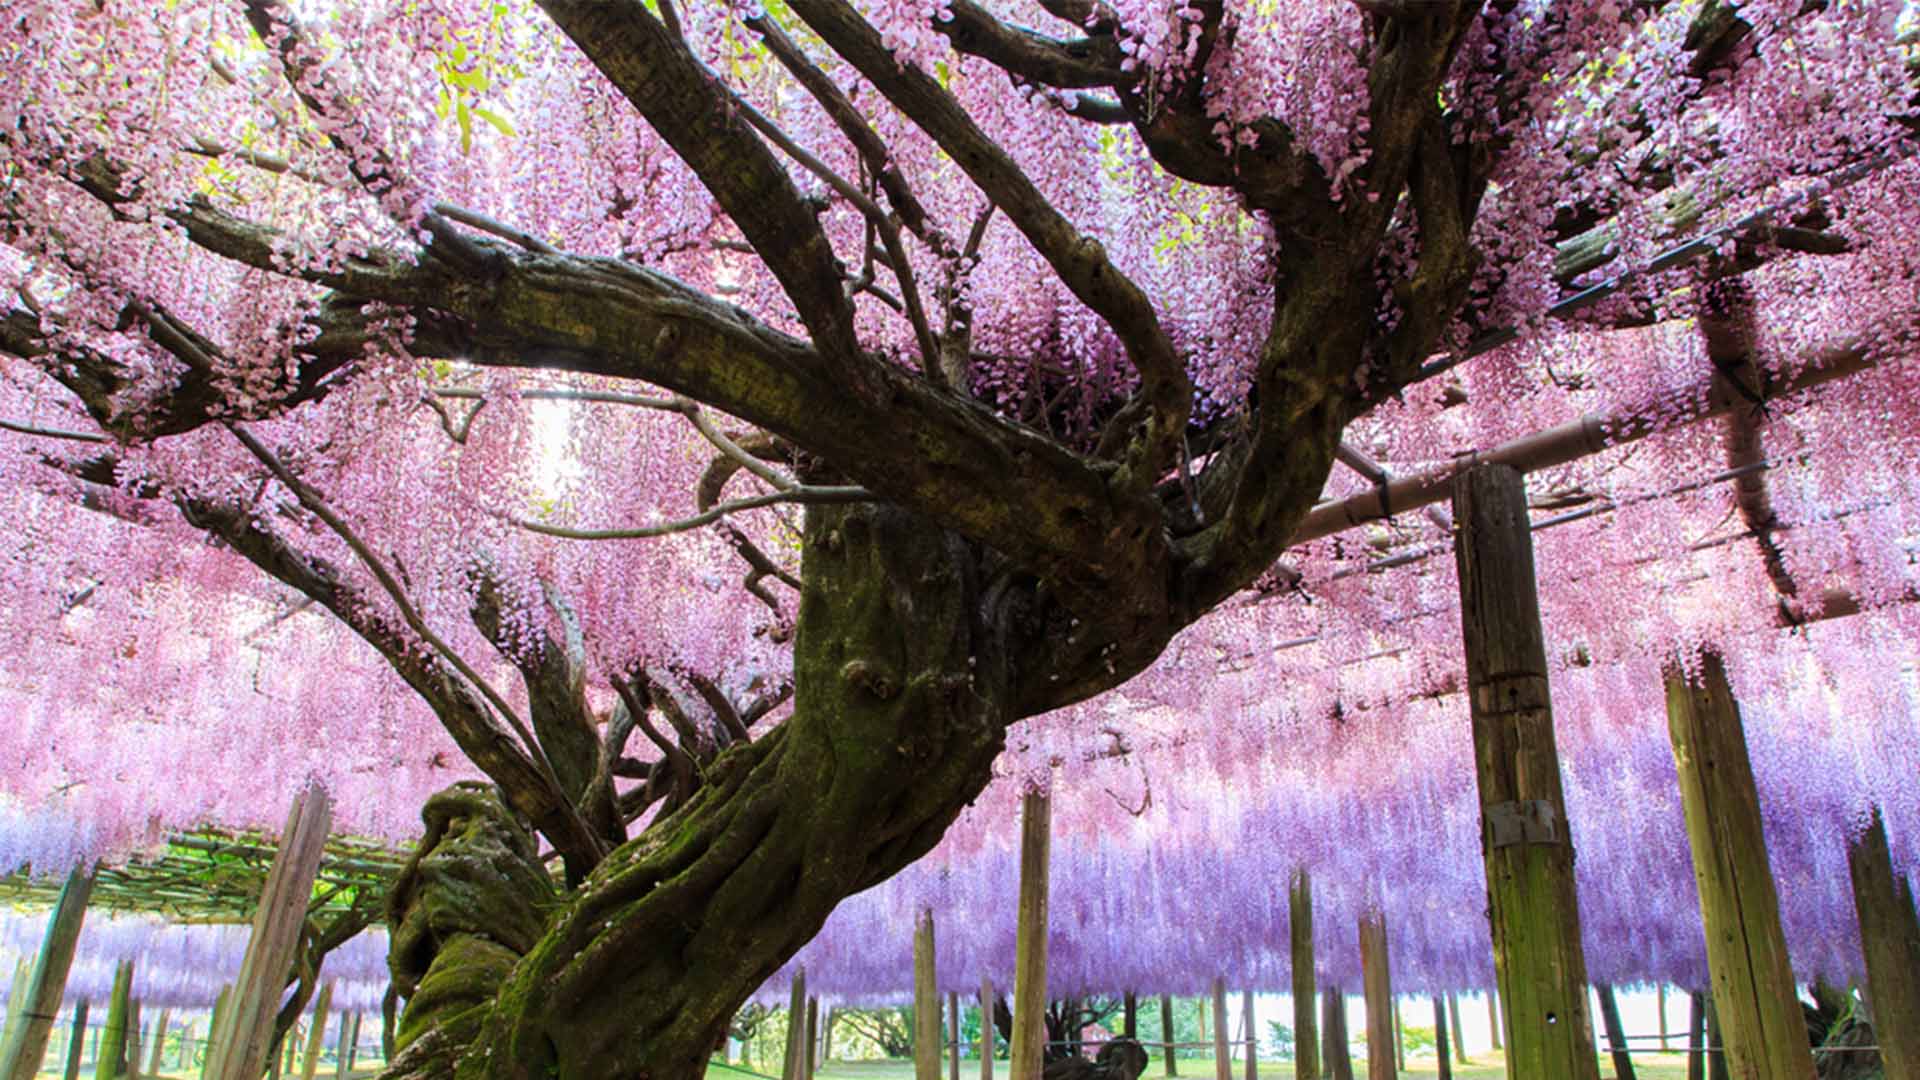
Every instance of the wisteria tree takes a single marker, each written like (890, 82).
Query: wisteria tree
(512, 336)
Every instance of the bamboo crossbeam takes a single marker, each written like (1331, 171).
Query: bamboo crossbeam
(1562, 444)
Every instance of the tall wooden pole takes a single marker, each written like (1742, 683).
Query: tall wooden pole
(26, 1044)
(953, 1034)
(1166, 1032)
(1493, 1015)
(1030, 959)
(1336, 1054)
(130, 1061)
(343, 1052)
(159, 1042)
(1754, 994)
(216, 1028)
(1382, 1032)
(16, 1017)
(1130, 1015)
(1616, 1033)
(1531, 897)
(77, 1042)
(812, 1054)
(317, 1037)
(1696, 1036)
(241, 1052)
(986, 1028)
(109, 1058)
(1716, 1045)
(1222, 1062)
(1253, 1035)
(1890, 941)
(1453, 1018)
(1660, 1003)
(1306, 1036)
(794, 1067)
(926, 1002)
(1442, 1060)
(1399, 1038)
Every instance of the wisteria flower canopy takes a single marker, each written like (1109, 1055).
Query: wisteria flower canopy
(397, 393)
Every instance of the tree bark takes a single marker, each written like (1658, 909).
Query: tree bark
(901, 701)
(1399, 1038)
(1383, 1033)
(1493, 1015)
(926, 1002)
(1754, 994)
(1616, 1034)
(953, 1035)
(1441, 1044)
(1306, 1035)
(1890, 942)
(1532, 899)
(1338, 1055)
(1718, 1067)
(26, 1045)
(1696, 1036)
(1028, 1053)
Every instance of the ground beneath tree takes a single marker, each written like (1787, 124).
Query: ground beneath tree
(1483, 1067)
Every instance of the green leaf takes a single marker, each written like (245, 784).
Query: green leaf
(464, 117)
(499, 122)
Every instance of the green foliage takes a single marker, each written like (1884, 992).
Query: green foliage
(1280, 1038)
(1418, 1039)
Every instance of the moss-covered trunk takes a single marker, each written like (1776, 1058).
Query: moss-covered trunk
(900, 707)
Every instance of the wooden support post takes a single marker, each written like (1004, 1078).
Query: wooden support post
(1306, 1035)
(16, 1017)
(1453, 1019)
(216, 1027)
(1253, 1034)
(1616, 1034)
(1336, 1053)
(1443, 1061)
(953, 1035)
(1660, 1006)
(1528, 847)
(1222, 1059)
(241, 1052)
(1717, 1067)
(1200, 1010)
(1030, 960)
(77, 1041)
(1753, 988)
(353, 1048)
(794, 1065)
(1696, 1036)
(986, 1028)
(813, 1037)
(343, 1045)
(317, 1037)
(1493, 1015)
(1382, 1031)
(1890, 941)
(130, 1062)
(110, 1055)
(1130, 1015)
(159, 1042)
(26, 1042)
(1166, 1033)
(926, 1002)
(1399, 1038)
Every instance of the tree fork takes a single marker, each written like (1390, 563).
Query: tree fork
(1532, 900)
(1754, 995)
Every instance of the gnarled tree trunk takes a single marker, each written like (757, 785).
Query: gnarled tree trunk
(901, 705)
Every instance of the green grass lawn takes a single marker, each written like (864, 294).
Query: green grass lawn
(1487, 1066)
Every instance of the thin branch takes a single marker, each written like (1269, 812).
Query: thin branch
(318, 506)
(53, 433)
(800, 494)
